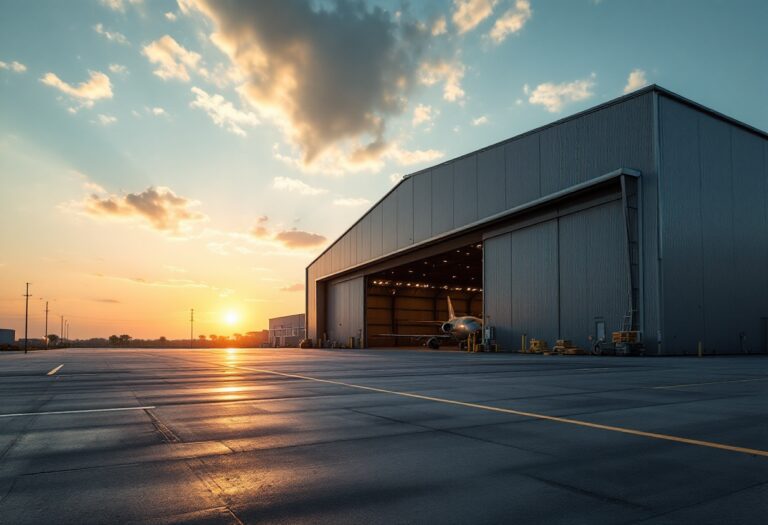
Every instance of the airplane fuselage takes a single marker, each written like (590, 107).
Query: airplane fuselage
(460, 328)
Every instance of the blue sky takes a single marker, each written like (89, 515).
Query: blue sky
(194, 154)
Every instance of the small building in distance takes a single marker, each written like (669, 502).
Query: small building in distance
(287, 330)
(7, 336)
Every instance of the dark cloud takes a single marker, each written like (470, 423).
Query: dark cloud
(161, 207)
(327, 73)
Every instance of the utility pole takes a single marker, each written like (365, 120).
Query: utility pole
(46, 325)
(61, 331)
(26, 319)
(191, 327)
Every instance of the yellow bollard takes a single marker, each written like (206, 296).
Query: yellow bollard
(700, 353)
(522, 343)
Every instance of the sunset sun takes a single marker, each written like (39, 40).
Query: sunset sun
(231, 317)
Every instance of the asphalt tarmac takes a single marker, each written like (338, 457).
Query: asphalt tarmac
(380, 436)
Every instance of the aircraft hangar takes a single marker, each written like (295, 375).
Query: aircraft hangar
(646, 213)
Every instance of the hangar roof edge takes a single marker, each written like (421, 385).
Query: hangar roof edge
(618, 100)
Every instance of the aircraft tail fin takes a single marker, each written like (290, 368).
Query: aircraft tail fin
(451, 313)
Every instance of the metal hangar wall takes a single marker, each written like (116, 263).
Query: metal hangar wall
(649, 207)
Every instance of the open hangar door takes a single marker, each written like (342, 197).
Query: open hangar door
(411, 299)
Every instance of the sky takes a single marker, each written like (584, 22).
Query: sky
(158, 156)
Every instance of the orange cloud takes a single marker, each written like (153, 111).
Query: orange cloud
(293, 238)
(297, 287)
(158, 206)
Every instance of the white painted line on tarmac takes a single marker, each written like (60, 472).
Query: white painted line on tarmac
(711, 383)
(565, 420)
(76, 411)
(54, 370)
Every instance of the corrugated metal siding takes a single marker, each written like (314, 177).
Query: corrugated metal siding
(405, 213)
(389, 228)
(497, 289)
(716, 217)
(593, 276)
(311, 304)
(422, 206)
(491, 183)
(750, 216)
(534, 288)
(682, 236)
(465, 190)
(714, 201)
(442, 199)
(377, 230)
(345, 307)
(523, 176)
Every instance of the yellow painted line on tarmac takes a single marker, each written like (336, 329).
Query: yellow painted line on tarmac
(544, 417)
(54, 370)
(710, 383)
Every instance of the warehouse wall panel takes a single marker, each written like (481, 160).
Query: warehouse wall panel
(523, 174)
(389, 229)
(491, 183)
(442, 199)
(422, 206)
(404, 196)
(377, 230)
(716, 218)
(682, 235)
(465, 190)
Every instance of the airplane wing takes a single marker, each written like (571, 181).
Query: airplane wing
(415, 336)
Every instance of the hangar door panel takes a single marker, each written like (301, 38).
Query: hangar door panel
(594, 284)
(345, 308)
(534, 283)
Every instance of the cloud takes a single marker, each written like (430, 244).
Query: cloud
(296, 287)
(172, 59)
(157, 111)
(479, 121)
(635, 81)
(554, 96)
(423, 114)
(95, 88)
(170, 16)
(407, 157)
(511, 21)
(351, 202)
(222, 112)
(394, 178)
(158, 206)
(118, 69)
(468, 14)
(119, 5)
(302, 71)
(299, 239)
(106, 300)
(440, 27)
(16, 67)
(105, 120)
(450, 73)
(293, 238)
(295, 185)
(110, 35)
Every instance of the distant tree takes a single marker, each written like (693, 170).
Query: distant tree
(237, 336)
(53, 339)
(125, 339)
(114, 340)
(163, 340)
(201, 337)
(213, 337)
